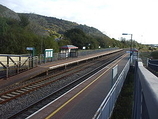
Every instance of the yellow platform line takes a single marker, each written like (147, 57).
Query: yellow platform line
(57, 110)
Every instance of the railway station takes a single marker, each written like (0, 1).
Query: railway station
(56, 68)
(93, 91)
(84, 100)
(51, 65)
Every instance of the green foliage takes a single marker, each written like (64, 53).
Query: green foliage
(78, 38)
(63, 42)
(124, 104)
(154, 55)
(18, 31)
(15, 37)
(24, 20)
(7, 13)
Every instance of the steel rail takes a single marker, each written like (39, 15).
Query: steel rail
(67, 87)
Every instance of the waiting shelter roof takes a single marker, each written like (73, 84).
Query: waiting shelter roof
(69, 47)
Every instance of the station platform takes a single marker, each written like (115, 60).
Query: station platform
(82, 101)
(49, 66)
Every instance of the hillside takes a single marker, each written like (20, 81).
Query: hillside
(61, 26)
(21, 30)
(50, 23)
(5, 12)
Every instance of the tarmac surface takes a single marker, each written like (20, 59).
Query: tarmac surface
(83, 101)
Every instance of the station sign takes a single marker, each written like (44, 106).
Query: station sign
(48, 53)
(29, 48)
(32, 50)
(114, 71)
(114, 74)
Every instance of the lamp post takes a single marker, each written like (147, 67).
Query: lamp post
(131, 42)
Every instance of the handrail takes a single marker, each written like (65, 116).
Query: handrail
(106, 108)
(146, 94)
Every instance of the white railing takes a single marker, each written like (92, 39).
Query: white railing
(146, 94)
(106, 108)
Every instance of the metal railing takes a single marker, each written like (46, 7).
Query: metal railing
(13, 64)
(59, 56)
(107, 106)
(88, 52)
(145, 94)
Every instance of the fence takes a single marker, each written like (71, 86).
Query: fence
(106, 108)
(59, 56)
(13, 64)
(88, 52)
(145, 94)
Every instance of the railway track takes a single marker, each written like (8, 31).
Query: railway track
(22, 90)
(54, 80)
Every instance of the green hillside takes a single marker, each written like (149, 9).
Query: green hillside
(21, 30)
(61, 26)
(5, 12)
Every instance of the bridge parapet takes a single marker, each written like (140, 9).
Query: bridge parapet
(146, 94)
(107, 106)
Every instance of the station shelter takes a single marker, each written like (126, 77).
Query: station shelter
(68, 51)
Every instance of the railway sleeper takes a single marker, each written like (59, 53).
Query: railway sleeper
(29, 88)
(6, 97)
(24, 89)
(15, 93)
(9, 94)
(20, 91)
(1, 99)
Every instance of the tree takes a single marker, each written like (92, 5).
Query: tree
(3, 29)
(63, 42)
(154, 54)
(78, 38)
(24, 21)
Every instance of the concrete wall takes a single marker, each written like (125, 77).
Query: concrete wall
(107, 106)
(146, 94)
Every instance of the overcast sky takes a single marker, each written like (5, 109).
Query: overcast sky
(112, 17)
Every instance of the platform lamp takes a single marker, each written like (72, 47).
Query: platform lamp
(131, 42)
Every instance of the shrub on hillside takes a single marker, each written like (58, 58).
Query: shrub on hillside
(154, 55)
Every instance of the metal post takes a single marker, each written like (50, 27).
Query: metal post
(112, 77)
(147, 62)
(131, 44)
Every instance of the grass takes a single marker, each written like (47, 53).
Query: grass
(144, 56)
(124, 104)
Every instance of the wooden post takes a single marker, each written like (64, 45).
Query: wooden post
(7, 67)
(47, 72)
(19, 65)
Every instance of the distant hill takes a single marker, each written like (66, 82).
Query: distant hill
(20, 30)
(50, 23)
(60, 26)
(5, 12)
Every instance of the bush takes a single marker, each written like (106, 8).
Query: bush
(154, 55)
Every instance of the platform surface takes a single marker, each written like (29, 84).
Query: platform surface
(84, 100)
(45, 67)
